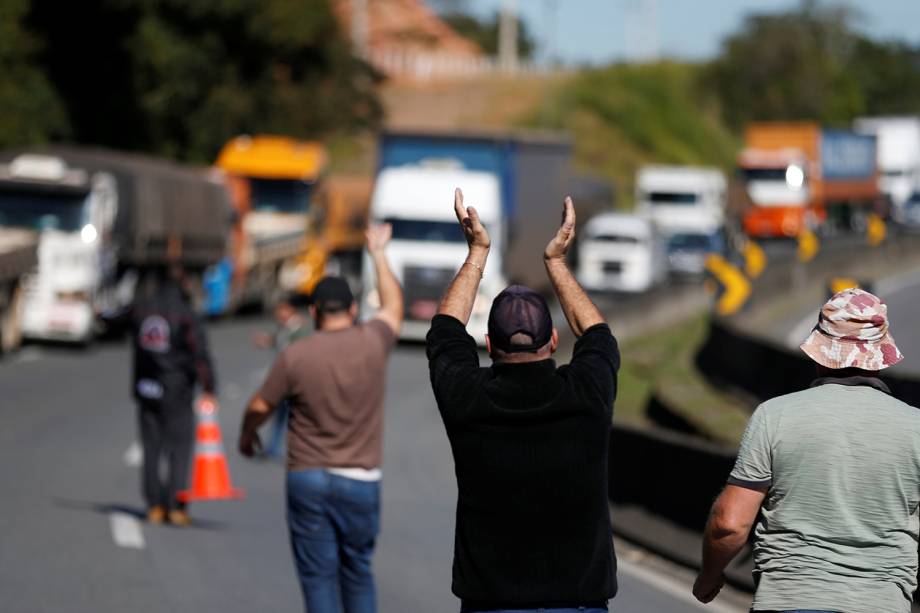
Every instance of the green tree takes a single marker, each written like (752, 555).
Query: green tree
(792, 65)
(30, 110)
(180, 78)
(889, 76)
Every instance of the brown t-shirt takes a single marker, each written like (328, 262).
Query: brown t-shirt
(334, 382)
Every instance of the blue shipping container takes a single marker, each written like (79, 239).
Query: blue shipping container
(494, 155)
(847, 156)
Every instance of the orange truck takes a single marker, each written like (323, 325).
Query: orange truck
(273, 182)
(800, 176)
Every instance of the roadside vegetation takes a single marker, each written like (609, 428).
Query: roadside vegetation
(624, 116)
(661, 364)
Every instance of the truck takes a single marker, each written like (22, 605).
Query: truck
(335, 231)
(682, 199)
(799, 176)
(687, 204)
(18, 257)
(272, 181)
(898, 157)
(517, 183)
(102, 218)
(621, 252)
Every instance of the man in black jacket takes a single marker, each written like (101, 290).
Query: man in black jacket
(170, 358)
(529, 440)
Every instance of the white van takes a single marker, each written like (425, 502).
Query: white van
(621, 252)
(682, 199)
(428, 247)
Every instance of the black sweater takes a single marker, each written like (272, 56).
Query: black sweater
(530, 453)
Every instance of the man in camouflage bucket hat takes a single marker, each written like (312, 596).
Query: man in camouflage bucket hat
(831, 476)
(852, 332)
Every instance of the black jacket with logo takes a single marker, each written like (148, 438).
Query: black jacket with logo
(170, 348)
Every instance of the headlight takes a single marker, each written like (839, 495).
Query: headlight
(795, 176)
(89, 234)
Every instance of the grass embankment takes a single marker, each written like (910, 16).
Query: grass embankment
(662, 363)
(623, 116)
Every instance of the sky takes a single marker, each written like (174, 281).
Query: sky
(599, 31)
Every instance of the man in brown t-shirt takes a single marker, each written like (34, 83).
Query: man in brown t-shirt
(334, 383)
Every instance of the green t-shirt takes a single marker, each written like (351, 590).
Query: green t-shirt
(839, 525)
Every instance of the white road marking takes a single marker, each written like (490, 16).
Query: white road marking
(672, 587)
(134, 455)
(801, 330)
(126, 531)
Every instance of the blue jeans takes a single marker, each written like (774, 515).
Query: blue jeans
(334, 523)
(275, 446)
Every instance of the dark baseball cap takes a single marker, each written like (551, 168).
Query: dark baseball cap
(519, 310)
(332, 294)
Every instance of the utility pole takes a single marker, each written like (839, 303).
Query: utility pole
(550, 15)
(641, 22)
(508, 37)
(359, 28)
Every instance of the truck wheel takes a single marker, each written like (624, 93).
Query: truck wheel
(11, 321)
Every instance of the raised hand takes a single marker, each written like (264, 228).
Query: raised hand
(473, 230)
(378, 236)
(559, 245)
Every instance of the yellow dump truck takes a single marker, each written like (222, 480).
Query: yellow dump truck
(335, 237)
(274, 182)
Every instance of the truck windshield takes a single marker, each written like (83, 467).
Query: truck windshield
(690, 242)
(616, 238)
(280, 195)
(764, 174)
(425, 230)
(670, 198)
(22, 208)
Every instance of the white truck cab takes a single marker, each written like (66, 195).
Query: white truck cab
(682, 199)
(72, 212)
(428, 247)
(621, 252)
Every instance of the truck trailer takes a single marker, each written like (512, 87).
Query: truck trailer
(898, 157)
(517, 183)
(798, 176)
(102, 218)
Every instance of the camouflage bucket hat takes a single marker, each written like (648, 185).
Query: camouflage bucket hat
(852, 331)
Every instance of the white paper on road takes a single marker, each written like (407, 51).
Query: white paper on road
(126, 531)
(134, 455)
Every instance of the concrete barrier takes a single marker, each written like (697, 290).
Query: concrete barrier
(766, 368)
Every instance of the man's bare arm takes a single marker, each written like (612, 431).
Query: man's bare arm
(461, 294)
(727, 530)
(579, 311)
(256, 414)
(391, 296)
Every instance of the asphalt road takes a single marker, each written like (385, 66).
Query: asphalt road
(70, 489)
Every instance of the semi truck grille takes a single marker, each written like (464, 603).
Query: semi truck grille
(424, 287)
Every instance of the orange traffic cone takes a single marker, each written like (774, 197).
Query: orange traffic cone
(210, 475)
